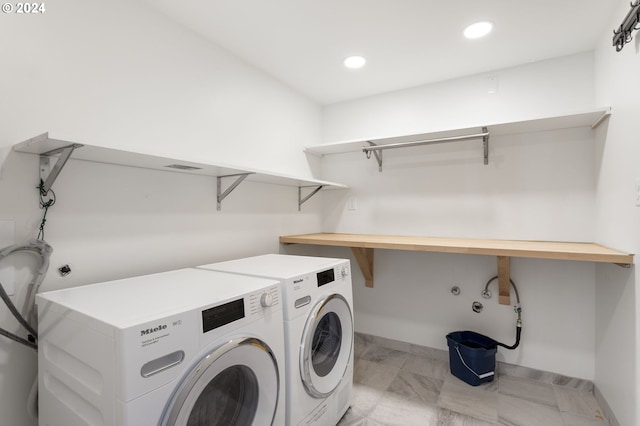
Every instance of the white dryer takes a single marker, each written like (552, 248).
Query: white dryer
(187, 347)
(318, 313)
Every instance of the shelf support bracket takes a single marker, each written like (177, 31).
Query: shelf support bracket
(485, 145)
(364, 257)
(600, 119)
(377, 153)
(504, 274)
(301, 200)
(222, 195)
(48, 174)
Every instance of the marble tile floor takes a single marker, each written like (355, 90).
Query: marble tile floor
(414, 387)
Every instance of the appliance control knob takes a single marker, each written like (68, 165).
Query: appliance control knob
(266, 299)
(344, 272)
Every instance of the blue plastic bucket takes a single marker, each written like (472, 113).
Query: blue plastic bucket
(472, 357)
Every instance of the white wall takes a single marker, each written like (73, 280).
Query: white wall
(121, 75)
(530, 91)
(537, 186)
(412, 302)
(118, 74)
(618, 224)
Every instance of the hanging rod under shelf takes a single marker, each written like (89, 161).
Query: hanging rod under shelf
(623, 34)
(376, 148)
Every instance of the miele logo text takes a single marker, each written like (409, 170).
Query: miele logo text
(298, 281)
(152, 330)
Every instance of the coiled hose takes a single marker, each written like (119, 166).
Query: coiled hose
(43, 250)
(20, 319)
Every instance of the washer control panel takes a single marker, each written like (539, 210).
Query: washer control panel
(249, 306)
(265, 299)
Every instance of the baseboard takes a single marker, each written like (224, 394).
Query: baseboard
(604, 405)
(502, 367)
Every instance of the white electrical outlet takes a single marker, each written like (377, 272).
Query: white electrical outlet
(637, 193)
(7, 269)
(492, 84)
(352, 203)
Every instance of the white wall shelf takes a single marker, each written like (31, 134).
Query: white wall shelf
(48, 148)
(591, 118)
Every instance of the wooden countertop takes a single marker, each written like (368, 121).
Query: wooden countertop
(589, 252)
(363, 245)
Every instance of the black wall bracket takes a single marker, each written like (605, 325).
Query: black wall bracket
(622, 34)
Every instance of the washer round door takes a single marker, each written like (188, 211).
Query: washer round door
(327, 342)
(234, 384)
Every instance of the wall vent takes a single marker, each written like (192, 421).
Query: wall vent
(183, 167)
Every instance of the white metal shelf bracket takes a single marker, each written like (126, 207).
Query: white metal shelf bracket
(222, 195)
(378, 155)
(485, 145)
(301, 200)
(377, 149)
(600, 119)
(49, 174)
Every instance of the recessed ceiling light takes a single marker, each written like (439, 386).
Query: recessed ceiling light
(479, 29)
(355, 62)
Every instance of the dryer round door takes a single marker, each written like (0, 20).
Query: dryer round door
(326, 345)
(234, 384)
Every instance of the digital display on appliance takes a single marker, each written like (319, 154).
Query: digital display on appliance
(218, 316)
(325, 277)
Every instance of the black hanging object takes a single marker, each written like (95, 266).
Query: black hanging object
(622, 34)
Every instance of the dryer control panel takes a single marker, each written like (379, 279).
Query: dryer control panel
(335, 275)
(301, 290)
(340, 272)
(325, 277)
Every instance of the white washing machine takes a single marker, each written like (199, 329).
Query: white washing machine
(187, 347)
(318, 318)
